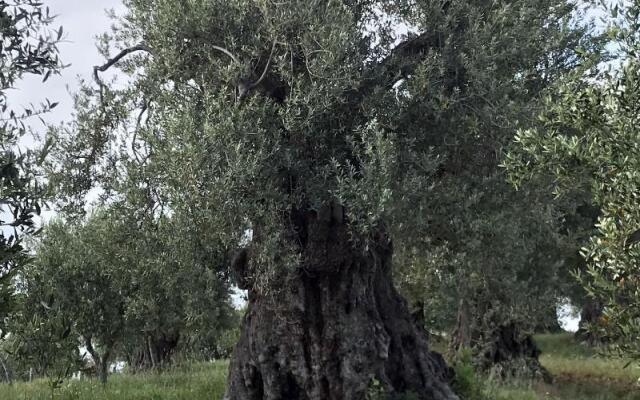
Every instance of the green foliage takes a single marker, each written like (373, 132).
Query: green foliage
(375, 391)
(28, 48)
(82, 269)
(567, 359)
(124, 288)
(579, 373)
(216, 343)
(42, 340)
(475, 240)
(201, 381)
(589, 141)
(400, 141)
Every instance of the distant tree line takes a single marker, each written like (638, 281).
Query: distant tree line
(120, 291)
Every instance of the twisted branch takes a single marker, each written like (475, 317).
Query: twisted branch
(110, 62)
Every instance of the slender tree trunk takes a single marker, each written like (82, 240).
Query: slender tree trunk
(154, 351)
(152, 354)
(337, 326)
(101, 362)
(103, 371)
(7, 375)
(461, 337)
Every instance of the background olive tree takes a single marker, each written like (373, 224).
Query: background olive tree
(28, 48)
(128, 291)
(589, 141)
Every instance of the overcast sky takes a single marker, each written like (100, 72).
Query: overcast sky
(82, 21)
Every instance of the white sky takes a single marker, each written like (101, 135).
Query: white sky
(82, 21)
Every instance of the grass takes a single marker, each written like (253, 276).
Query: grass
(580, 374)
(192, 382)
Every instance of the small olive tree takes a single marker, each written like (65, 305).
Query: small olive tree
(28, 48)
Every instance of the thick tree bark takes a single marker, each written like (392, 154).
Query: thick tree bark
(510, 353)
(335, 327)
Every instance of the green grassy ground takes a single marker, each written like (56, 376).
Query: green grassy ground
(579, 374)
(194, 382)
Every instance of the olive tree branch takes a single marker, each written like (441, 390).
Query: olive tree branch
(227, 52)
(266, 67)
(110, 62)
(401, 62)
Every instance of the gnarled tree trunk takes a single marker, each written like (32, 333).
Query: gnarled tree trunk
(509, 353)
(338, 326)
(501, 349)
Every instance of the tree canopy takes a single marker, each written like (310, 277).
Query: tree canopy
(263, 122)
(433, 111)
(589, 141)
(125, 291)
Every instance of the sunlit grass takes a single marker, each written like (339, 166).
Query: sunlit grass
(568, 360)
(580, 373)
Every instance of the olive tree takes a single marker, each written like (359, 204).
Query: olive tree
(310, 137)
(28, 48)
(589, 141)
(83, 268)
(498, 272)
(129, 291)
